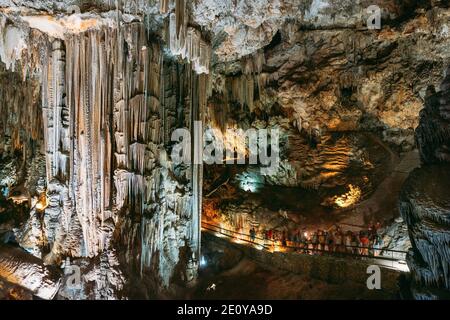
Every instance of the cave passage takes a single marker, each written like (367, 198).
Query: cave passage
(171, 149)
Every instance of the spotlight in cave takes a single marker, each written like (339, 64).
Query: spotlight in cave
(94, 205)
(42, 202)
(250, 181)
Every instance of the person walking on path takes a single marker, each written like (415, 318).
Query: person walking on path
(283, 238)
(252, 234)
(348, 242)
(321, 240)
(338, 240)
(354, 243)
(315, 241)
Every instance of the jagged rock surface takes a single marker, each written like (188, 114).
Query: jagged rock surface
(425, 203)
(111, 96)
(19, 268)
(110, 99)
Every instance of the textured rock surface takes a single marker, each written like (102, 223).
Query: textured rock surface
(22, 269)
(110, 99)
(370, 76)
(425, 202)
(425, 206)
(117, 77)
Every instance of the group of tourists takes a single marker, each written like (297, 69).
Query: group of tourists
(365, 242)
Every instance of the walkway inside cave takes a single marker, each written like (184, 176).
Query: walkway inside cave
(296, 208)
(265, 275)
(388, 258)
(382, 204)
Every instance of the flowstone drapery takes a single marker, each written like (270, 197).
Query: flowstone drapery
(110, 99)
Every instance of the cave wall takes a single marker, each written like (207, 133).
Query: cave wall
(119, 77)
(424, 202)
(343, 78)
(116, 205)
(21, 132)
(314, 71)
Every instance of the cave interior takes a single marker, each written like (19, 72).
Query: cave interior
(170, 149)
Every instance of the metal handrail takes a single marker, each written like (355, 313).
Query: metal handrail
(307, 249)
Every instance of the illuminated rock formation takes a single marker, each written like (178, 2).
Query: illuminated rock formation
(110, 99)
(21, 269)
(98, 87)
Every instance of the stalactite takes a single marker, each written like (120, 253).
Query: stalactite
(110, 101)
(187, 42)
(242, 90)
(180, 15)
(205, 91)
(239, 89)
(20, 123)
(253, 64)
(164, 6)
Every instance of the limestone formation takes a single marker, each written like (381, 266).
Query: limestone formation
(91, 92)
(425, 204)
(109, 99)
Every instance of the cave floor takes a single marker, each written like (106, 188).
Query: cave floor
(239, 271)
(250, 280)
